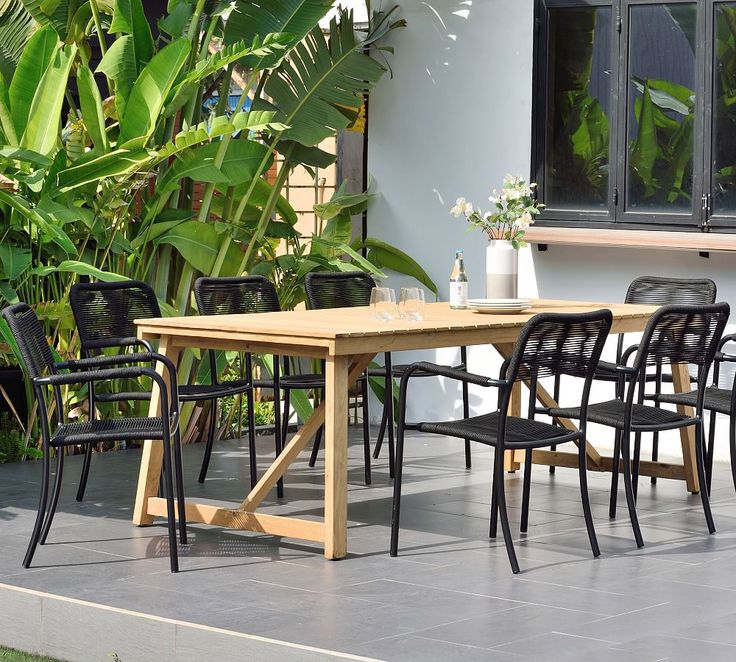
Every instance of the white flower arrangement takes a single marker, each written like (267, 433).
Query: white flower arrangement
(515, 209)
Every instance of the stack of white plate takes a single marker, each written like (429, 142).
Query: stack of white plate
(499, 306)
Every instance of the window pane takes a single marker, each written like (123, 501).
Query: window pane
(724, 111)
(661, 108)
(578, 111)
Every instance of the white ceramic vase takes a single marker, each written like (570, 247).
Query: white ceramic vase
(502, 270)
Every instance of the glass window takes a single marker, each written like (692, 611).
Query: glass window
(723, 150)
(660, 110)
(576, 169)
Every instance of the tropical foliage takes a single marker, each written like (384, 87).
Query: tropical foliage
(113, 168)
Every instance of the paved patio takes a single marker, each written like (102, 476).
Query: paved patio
(102, 586)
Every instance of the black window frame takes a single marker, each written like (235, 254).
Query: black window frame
(615, 216)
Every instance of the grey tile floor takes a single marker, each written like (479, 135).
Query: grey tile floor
(450, 595)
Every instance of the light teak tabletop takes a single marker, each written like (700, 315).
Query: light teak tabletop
(348, 339)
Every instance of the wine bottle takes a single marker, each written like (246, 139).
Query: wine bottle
(458, 283)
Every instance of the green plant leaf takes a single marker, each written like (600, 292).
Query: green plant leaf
(17, 26)
(8, 293)
(81, 269)
(25, 155)
(129, 18)
(42, 131)
(50, 231)
(15, 260)
(645, 148)
(149, 93)
(319, 88)
(199, 244)
(252, 18)
(90, 101)
(385, 255)
(7, 127)
(118, 162)
(119, 65)
(35, 60)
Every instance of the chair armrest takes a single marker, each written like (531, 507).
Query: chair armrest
(105, 361)
(725, 358)
(626, 370)
(731, 337)
(91, 376)
(454, 373)
(628, 352)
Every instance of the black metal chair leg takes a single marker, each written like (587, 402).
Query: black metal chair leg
(396, 504)
(526, 491)
(366, 430)
(628, 487)
(493, 524)
(585, 498)
(381, 433)
(556, 397)
(181, 502)
(655, 454)
(54, 496)
(43, 500)
(285, 416)
(635, 465)
(466, 405)
(389, 404)
(710, 453)
(252, 453)
(170, 511)
(503, 513)
(614, 474)
(85, 472)
(315, 447)
(210, 442)
(699, 456)
(732, 444)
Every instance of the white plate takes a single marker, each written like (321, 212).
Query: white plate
(497, 303)
(498, 310)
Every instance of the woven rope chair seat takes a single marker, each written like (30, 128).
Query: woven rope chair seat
(611, 413)
(115, 429)
(716, 399)
(484, 429)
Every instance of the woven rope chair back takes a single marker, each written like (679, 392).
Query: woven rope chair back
(235, 296)
(104, 312)
(683, 334)
(659, 291)
(560, 344)
(31, 339)
(338, 290)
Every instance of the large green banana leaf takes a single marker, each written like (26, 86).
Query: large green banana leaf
(32, 66)
(16, 28)
(143, 108)
(42, 129)
(199, 244)
(129, 18)
(319, 89)
(119, 65)
(118, 162)
(385, 255)
(90, 102)
(254, 18)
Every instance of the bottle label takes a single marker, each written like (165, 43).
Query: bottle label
(458, 294)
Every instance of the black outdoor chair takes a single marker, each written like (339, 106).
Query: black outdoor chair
(105, 314)
(348, 289)
(674, 334)
(245, 295)
(717, 400)
(654, 291)
(548, 345)
(44, 371)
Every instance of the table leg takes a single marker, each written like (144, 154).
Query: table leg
(152, 459)
(336, 456)
(681, 382)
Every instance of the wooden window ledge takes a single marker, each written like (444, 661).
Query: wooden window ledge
(652, 239)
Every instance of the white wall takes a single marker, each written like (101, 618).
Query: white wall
(453, 120)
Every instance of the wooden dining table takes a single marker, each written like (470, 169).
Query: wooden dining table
(347, 339)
